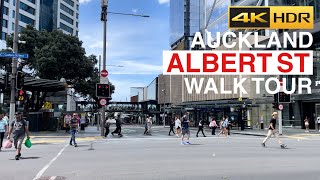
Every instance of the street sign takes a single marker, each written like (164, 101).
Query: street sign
(280, 107)
(103, 102)
(13, 55)
(104, 73)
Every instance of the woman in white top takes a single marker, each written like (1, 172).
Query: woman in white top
(178, 126)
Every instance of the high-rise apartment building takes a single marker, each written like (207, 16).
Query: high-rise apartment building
(60, 14)
(42, 14)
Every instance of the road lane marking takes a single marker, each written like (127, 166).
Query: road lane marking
(53, 178)
(49, 164)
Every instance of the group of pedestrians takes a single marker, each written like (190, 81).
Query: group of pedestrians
(118, 129)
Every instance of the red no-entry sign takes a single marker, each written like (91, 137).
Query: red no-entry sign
(104, 73)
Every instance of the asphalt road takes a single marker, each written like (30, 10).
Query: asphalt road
(163, 157)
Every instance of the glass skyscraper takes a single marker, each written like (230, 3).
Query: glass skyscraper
(186, 18)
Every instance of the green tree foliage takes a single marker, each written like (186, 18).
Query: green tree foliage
(55, 55)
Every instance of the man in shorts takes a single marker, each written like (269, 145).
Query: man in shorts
(20, 129)
(185, 128)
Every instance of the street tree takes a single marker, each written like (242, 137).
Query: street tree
(55, 55)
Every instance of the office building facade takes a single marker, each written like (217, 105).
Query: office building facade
(251, 108)
(43, 15)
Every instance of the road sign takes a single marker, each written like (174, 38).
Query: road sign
(103, 102)
(280, 107)
(13, 55)
(104, 73)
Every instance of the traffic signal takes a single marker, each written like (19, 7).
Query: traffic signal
(103, 90)
(19, 80)
(275, 105)
(21, 95)
(284, 98)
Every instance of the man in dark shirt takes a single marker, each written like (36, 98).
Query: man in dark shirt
(118, 126)
(272, 131)
(185, 128)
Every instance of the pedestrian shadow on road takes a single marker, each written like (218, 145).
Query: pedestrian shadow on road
(26, 158)
(83, 145)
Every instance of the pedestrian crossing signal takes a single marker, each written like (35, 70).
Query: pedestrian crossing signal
(21, 95)
(103, 90)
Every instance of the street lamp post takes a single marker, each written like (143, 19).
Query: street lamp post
(14, 63)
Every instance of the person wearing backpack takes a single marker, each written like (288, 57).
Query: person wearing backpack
(107, 127)
(19, 129)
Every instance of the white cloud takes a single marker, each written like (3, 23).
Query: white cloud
(163, 1)
(84, 1)
(135, 11)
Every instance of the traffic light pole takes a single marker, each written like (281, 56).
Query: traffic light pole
(14, 63)
(104, 59)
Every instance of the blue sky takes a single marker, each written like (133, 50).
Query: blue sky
(133, 42)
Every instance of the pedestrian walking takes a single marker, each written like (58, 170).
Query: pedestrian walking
(172, 123)
(19, 129)
(306, 123)
(118, 126)
(3, 129)
(149, 123)
(272, 131)
(200, 128)
(221, 127)
(185, 128)
(74, 127)
(213, 125)
(66, 123)
(227, 125)
(178, 126)
(107, 128)
(146, 126)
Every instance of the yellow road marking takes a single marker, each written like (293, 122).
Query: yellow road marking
(296, 137)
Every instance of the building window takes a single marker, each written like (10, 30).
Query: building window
(19, 28)
(71, 3)
(5, 11)
(78, 7)
(77, 24)
(32, 1)
(13, 13)
(6, 1)
(27, 8)
(66, 28)
(26, 19)
(77, 33)
(5, 23)
(4, 36)
(77, 15)
(66, 18)
(66, 9)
